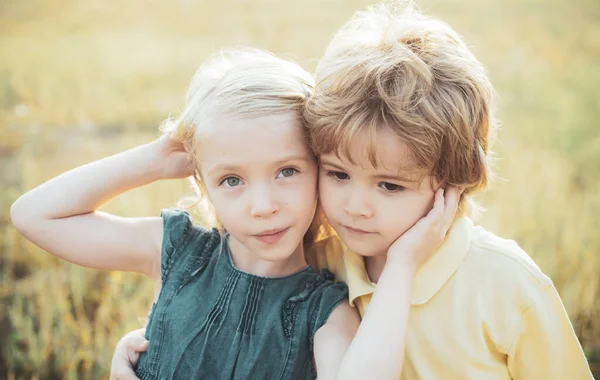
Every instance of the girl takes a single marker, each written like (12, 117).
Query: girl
(235, 302)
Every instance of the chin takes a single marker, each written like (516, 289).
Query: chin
(363, 248)
(277, 252)
(275, 255)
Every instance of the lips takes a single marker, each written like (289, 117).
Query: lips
(356, 230)
(271, 236)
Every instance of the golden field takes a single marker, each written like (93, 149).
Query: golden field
(80, 80)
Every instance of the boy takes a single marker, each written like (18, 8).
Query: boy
(402, 108)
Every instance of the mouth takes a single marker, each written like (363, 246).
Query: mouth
(271, 236)
(356, 231)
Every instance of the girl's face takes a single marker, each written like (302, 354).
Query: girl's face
(261, 178)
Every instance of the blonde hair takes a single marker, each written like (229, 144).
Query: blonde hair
(236, 84)
(392, 67)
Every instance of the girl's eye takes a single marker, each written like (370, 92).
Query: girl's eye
(231, 182)
(391, 187)
(288, 172)
(340, 176)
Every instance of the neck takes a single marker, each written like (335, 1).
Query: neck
(374, 266)
(250, 262)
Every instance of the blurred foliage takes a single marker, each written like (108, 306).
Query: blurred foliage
(80, 80)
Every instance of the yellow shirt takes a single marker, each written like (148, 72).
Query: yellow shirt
(480, 309)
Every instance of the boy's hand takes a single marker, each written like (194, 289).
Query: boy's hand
(127, 354)
(417, 244)
(172, 159)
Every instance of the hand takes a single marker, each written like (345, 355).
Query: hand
(417, 244)
(171, 156)
(127, 353)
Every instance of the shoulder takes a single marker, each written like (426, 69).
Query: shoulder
(501, 256)
(503, 270)
(325, 297)
(343, 315)
(322, 285)
(181, 238)
(179, 227)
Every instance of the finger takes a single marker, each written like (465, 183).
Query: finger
(452, 200)
(143, 346)
(438, 205)
(436, 212)
(136, 342)
(140, 346)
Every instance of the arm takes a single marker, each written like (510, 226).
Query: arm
(333, 339)
(377, 351)
(61, 216)
(545, 345)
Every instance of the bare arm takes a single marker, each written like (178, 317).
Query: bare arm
(61, 216)
(377, 350)
(332, 340)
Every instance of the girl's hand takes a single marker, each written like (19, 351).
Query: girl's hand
(127, 354)
(417, 244)
(172, 159)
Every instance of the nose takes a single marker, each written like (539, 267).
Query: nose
(263, 203)
(357, 205)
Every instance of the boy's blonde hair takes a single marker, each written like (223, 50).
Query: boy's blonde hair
(236, 84)
(392, 67)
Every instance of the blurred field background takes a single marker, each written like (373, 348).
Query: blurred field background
(83, 79)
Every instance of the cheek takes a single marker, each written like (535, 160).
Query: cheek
(226, 207)
(303, 197)
(405, 212)
(326, 194)
(223, 209)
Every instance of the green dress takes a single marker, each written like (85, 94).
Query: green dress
(213, 321)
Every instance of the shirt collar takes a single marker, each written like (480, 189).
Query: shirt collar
(357, 278)
(436, 271)
(432, 275)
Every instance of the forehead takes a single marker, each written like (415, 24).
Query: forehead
(251, 141)
(379, 150)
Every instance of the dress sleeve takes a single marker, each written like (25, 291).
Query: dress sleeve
(177, 226)
(329, 296)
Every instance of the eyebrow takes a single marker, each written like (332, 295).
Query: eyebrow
(395, 178)
(378, 176)
(234, 168)
(296, 157)
(325, 162)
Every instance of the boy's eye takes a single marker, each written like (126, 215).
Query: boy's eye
(391, 187)
(287, 172)
(231, 182)
(338, 175)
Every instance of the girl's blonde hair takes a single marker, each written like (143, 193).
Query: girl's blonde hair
(236, 84)
(395, 68)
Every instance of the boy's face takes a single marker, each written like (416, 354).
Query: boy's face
(371, 207)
